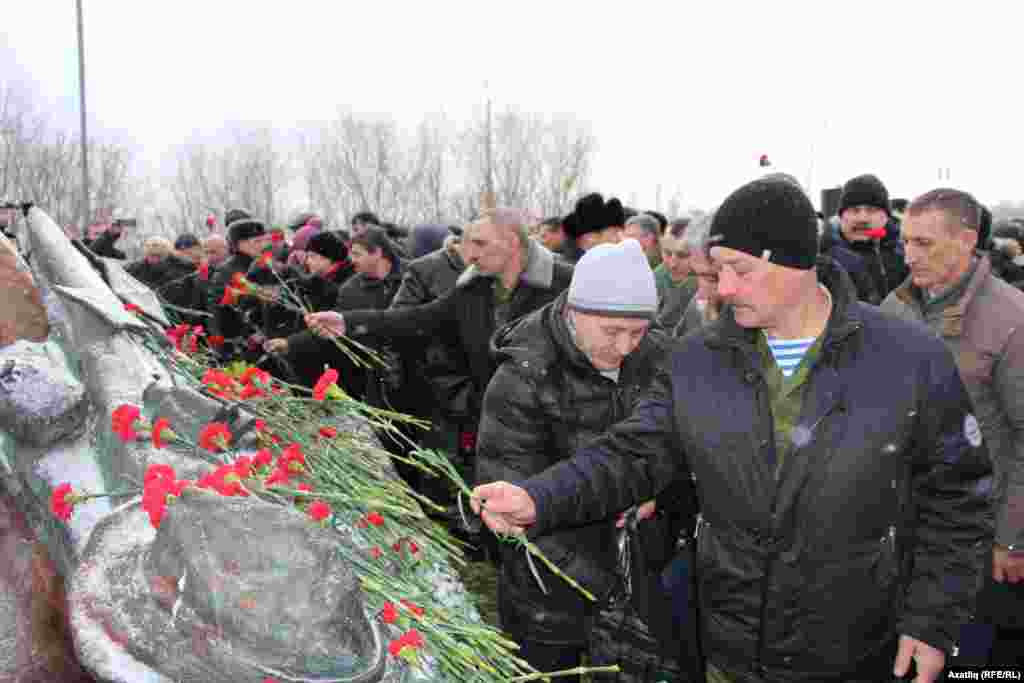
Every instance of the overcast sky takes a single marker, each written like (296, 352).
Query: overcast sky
(682, 94)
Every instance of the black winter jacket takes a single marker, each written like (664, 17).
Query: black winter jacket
(875, 266)
(438, 373)
(229, 321)
(104, 245)
(875, 526)
(545, 401)
(469, 310)
(172, 279)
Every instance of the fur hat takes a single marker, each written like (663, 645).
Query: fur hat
(244, 229)
(328, 245)
(593, 214)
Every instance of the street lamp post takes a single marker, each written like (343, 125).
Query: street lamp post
(81, 106)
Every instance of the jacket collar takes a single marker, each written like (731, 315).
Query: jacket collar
(954, 314)
(844, 320)
(539, 273)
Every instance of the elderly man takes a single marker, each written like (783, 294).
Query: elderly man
(646, 230)
(508, 276)
(676, 283)
(843, 488)
(980, 317)
(705, 305)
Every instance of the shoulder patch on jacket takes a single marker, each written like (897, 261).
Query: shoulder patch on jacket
(972, 431)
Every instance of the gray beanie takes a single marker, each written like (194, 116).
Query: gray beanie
(614, 280)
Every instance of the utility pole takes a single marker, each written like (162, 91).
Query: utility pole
(81, 105)
(488, 200)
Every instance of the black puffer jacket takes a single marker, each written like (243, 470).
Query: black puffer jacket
(172, 279)
(545, 401)
(877, 525)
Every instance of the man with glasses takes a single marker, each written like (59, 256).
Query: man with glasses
(953, 291)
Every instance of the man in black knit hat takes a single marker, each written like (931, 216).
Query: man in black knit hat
(842, 527)
(247, 239)
(867, 241)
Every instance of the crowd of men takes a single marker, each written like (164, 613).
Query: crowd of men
(810, 430)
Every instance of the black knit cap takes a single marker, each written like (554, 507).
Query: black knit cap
(328, 245)
(864, 190)
(770, 217)
(244, 229)
(233, 215)
(593, 214)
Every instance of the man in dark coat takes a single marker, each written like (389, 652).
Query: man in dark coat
(508, 276)
(867, 241)
(247, 240)
(843, 485)
(569, 372)
(102, 243)
(436, 376)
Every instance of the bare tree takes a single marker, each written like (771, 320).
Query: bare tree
(252, 171)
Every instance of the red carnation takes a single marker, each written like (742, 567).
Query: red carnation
(319, 510)
(277, 237)
(875, 233)
(124, 420)
(62, 501)
(215, 341)
(230, 297)
(162, 430)
(160, 486)
(328, 432)
(265, 259)
(211, 221)
(133, 308)
(225, 480)
(375, 552)
(204, 270)
(323, 385)
(292, 459)
(278, 476)
(410, 639)
(390, 613)
(249, 391)
(243, 466)
(263, 458)
(375, 518)
(255, 376)
(215, 437)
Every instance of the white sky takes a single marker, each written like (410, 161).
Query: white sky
(682, 94)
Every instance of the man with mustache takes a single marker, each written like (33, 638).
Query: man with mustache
(867, 242)
(842, 527)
